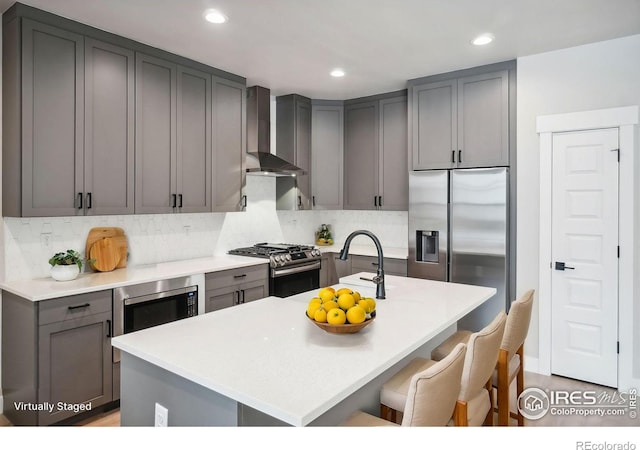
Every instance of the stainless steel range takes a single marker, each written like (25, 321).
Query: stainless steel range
(294, 268)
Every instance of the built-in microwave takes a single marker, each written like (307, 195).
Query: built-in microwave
(150, 304)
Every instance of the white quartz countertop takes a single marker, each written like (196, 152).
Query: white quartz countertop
(48, 288)
(268, 355)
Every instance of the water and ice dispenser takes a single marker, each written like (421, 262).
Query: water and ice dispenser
(427, 245)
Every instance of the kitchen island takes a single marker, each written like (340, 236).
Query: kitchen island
(265, 363)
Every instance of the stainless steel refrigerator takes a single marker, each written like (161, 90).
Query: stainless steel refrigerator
(458, 232)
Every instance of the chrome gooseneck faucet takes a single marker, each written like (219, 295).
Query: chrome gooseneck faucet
(379, 278)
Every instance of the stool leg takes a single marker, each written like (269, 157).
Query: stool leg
(520, 383)
(489, 419)
(503, 388)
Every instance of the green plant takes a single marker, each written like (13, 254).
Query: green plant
(67, 258)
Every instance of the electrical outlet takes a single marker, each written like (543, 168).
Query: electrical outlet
(161, 416)
(45, 240)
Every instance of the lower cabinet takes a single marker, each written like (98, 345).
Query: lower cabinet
(235, 286)
(56, 357)
(392, 266)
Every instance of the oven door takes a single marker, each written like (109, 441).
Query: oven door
(288, 281)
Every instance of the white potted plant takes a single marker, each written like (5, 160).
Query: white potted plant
(65, 266)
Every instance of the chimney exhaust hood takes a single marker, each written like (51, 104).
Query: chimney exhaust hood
(260, 160)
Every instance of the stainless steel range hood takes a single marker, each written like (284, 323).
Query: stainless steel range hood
(260, 160)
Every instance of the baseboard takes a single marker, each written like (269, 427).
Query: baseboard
(532, 364)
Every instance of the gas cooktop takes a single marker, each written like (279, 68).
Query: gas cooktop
(280, 254)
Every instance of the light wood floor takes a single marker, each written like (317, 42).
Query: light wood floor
(112, 418)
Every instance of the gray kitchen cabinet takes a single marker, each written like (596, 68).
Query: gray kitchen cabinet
(173, 137)
(393, 184)
(76, 119)
(43, 90)
(231, 287)
(342, 268)
(56, 352)
(327, 154)
(293, 144)
(461, 122)
(109, 129)
(375, 153)
(392, 266)
(229, 144)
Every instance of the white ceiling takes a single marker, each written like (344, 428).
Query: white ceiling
(290, 46)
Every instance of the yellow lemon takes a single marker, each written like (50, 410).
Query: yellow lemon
(346, 301)
(317, 300)
(372, 303)
(326, 295)
(336, 316)
(320, 315)
(312, 308)
(328, 306)
(356, 296)
(341, 291)
(366, 305)
(355, 314)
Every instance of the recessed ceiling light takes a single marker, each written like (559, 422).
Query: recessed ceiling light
(337, 73)
(483, 39)
(214, 16)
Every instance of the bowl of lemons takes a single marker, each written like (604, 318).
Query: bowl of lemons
(341, 310)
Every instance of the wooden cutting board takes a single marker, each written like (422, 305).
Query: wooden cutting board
(117, 249)
(105, 255)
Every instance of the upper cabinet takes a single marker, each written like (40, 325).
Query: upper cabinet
(109, 129)
(327, 143)
(229, 143)
(293, 144)
(173, 137)
(43, 147)
(463, 121)
(94, 123)
(375, 153)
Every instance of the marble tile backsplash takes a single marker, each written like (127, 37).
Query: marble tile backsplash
(154, 238)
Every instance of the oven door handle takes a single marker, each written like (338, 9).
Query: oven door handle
(275, 273)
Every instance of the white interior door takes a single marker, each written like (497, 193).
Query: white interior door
(584, 311)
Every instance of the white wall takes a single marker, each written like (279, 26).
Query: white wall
(595, 76)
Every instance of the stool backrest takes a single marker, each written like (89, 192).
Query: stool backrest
(518, 320)
(481, 358)
(433, 392)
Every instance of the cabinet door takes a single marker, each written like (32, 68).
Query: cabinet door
(229, 144)
(327, 141)
(483, 120)
(74, 365)
(254, 291)
(155, 135)
(361, 155)
(193, 141)
(434, 125)
(109, 129)
(342, 268)
(303, 152)
(394, 175)
(220, 298)
(52, 120)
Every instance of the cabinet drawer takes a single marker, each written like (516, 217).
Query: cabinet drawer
(74, 307)
(392, 266)
(233, 277)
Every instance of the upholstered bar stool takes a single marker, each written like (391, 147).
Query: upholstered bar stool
(431, 395)
(481, 357)
(510, 363)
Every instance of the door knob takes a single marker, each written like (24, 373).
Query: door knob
(562, 266)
